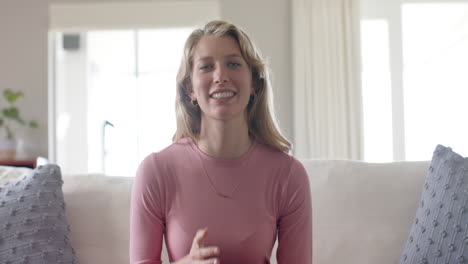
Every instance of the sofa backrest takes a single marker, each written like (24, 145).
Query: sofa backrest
(97, 209)
(362, 212)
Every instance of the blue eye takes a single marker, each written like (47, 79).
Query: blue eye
(233, 64)
(205, 67)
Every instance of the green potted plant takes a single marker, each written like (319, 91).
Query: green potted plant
(10, 116)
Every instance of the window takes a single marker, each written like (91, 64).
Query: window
(376, 90)
(435, 56)
(414, 81)
(132, 76)
(125, 108)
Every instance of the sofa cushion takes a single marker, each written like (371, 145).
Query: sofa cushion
(98, 208)
(33, 226)
(439, 231)
(362, 212)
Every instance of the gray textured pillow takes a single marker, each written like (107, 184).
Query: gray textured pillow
(8, 173)
(439, 232)
(33, 227)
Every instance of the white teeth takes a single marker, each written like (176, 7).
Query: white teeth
(223, 95)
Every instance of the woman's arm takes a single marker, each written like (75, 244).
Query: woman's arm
(147, 222)
(295, 221)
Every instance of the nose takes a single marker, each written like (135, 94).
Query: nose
(220, 75)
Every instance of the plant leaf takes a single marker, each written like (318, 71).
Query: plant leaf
(33, 124)
(11, 113)
(11, 96)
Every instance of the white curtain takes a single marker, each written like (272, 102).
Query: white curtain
(327, 83)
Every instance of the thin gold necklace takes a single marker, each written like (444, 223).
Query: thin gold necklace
(212, 185)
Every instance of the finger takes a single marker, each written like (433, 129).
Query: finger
(198, 239)
(210, 261)
(207, 252)
(201, 240)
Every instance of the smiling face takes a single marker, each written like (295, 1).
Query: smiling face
(221, 80)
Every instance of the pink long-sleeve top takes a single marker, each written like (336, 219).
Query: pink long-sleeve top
(246, 203)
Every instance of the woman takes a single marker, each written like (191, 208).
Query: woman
(226, 188)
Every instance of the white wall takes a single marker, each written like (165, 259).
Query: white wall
(23, 64)
(23, 53)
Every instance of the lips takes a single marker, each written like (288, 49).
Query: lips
(220, 94)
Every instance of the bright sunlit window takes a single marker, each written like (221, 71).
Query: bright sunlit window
(376, 91)
(115, 97)
(422, 54)
(131, 95)
(435, 41)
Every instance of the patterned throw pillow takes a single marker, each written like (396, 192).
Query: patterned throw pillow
(440, 229)
(8, 173)
(33, 227)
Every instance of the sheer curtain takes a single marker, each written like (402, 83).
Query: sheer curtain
(327, 83)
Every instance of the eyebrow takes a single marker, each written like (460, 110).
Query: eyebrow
(234, 55)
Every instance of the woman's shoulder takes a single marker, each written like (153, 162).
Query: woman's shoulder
(273, 154)
(166, 156)
(276, 158)
(174, 150)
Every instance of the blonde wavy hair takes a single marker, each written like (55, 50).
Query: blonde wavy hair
(261, 124)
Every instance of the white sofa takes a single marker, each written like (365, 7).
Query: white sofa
(362, 212)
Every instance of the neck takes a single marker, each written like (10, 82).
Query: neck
(224, 139)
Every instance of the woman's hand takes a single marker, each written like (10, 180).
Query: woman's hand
(199, 254)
